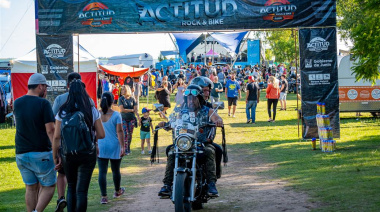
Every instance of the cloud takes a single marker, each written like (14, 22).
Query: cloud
(5, 4)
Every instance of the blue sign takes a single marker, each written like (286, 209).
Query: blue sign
(253, 52)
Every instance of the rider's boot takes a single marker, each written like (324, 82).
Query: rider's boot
(166, 190)
(212, 191)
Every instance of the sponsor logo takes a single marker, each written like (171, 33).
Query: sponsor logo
(352, 94)
(96, 14)
(54, 51)
(308, 63)
(318, 44)
(278, 10)
(375, 93)
(189, 13)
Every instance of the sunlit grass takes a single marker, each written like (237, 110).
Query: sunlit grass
(346, 180)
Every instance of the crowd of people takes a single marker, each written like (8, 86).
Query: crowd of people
(73, 118)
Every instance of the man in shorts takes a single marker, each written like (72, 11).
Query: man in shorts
(34, 132)
(232, 93)
(283, 92)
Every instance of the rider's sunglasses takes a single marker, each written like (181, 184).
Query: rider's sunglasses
(191, 92)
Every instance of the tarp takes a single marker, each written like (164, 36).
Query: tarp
(168, 53)
(253, 52)
(137, 60)
(211, 52)
(230, 41)
(123, 70)
(25, 66)
(133, 16)
(187, 42)
(2, 71)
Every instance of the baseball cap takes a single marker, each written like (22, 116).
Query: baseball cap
(144, 110)
(253, 78)
(37, 79)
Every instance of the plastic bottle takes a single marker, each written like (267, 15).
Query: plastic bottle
(323, 108)
(313, 143)
(318, 108)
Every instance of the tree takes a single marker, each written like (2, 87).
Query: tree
(282, 45)
(359, 21)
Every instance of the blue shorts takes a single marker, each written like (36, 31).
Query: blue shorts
(37, 167)
(144, 135)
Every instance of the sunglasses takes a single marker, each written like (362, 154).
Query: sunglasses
(191, 92)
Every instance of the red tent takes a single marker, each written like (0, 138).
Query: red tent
(123, 70)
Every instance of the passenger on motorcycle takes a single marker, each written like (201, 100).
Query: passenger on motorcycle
(195, 103)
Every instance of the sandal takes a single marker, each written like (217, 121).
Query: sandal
(270, 120)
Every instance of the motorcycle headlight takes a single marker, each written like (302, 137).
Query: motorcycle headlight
(184, 143)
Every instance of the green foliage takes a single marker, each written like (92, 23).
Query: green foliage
(282, 45)
(360, 22)
(161, 58)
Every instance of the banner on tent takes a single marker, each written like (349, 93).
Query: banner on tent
(115, 16)
(319, 78)
(55, 62)
(253, 52)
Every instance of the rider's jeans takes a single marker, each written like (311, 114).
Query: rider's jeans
(209, 152)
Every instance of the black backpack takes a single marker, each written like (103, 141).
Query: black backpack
(76, 135)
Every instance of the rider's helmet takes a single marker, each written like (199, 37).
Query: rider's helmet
(193, 97)
(203, 82)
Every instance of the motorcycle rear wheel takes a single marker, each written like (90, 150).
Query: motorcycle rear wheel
(180, 194)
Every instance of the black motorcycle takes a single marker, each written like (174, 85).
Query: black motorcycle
(189, 182)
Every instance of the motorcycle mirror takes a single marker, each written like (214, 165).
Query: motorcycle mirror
(218, 105)
(158, 107)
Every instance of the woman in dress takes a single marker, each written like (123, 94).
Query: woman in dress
(164, 96)
(180, 85)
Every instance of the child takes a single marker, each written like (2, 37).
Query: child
(146, 122)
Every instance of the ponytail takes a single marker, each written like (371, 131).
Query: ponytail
(106, 102)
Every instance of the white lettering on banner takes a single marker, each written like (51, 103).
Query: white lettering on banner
(318, 44)
(317, 63)
(54, 51)
(166, 12)
(202, 22)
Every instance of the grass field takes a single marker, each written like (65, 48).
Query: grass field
(346, 180)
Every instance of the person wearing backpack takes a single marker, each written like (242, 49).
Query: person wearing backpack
(111, 148)
(77, 128)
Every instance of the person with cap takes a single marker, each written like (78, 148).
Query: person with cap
(146, 125)
(34, 120)
(252, 98)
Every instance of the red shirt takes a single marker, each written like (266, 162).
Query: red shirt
(115, 93)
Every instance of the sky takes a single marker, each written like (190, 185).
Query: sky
(17, 36)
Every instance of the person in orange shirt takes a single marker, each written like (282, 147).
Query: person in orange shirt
(273, 93)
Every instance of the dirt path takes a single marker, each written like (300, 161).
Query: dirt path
(240, 189)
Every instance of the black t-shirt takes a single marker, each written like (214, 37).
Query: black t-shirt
(253, 88)
(171, 77)
(31, 114)
(181, 76)
(203, 72)
(284, 83)
(145, 124)
(128, 104)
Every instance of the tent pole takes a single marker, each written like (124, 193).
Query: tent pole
(205, 50)
(296, 60)
(241, 46)
(78, 55)
(175, 45)
(213, 51)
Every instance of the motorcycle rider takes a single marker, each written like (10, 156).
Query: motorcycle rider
(194, 100)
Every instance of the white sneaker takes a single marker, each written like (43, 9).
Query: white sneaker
(229, 114)
(150, 152)
(233, 116)
(142, 152)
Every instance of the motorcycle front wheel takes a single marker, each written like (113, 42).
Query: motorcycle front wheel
(181, 202)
